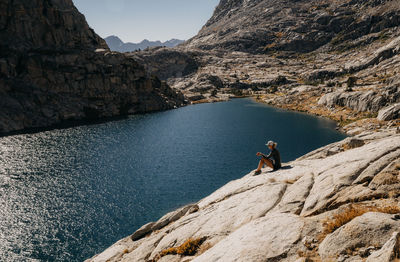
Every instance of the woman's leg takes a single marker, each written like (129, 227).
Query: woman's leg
(264, 161)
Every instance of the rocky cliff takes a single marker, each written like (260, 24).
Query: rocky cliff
(54, 68)
(338, 203)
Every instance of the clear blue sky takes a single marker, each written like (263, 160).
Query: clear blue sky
(135, 20)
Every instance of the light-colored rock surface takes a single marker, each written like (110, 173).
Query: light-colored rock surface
(369, 229)
(277, 233)
(388, 252)
(389, 113)
(280, 216)
(358, 101)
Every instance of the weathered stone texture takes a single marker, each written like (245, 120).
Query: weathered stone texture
(54, 68)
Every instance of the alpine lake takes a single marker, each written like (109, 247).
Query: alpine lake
(68, 194)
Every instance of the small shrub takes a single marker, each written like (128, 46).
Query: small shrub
(349, 89)
(189, 248)
(384, 36)
(272, 89)
(351, 81)
(269, 47)
(237, 92)
(313, 82)
(351, 212)
(330, 84)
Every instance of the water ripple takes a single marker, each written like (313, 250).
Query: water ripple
(67, 194)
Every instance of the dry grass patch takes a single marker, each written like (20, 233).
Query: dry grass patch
(189, 248)
(387, 178)
(351, 212)
(312, 256)
(269, 46)
(290, 181)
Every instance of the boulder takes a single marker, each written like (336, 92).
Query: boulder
(389, 252)
(143, 231)
(389, 113)
(172, 217)
(359, 101)
(372, 227)
(354, 143)
(162, 222)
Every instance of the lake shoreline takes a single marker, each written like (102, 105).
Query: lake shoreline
(87, 122)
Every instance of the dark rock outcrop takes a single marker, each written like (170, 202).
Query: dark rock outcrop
(54, 68)
(166, 62)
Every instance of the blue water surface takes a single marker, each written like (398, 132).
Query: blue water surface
(67, 194)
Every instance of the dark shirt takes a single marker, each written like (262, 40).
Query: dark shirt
(276, 156)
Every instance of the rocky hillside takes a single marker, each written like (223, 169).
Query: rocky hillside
(338, 203)
(259, 26)
(338, 59)
(55, 69)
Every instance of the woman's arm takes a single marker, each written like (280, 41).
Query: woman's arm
(261, 154)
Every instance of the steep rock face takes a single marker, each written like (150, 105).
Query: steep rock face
(54, 68)
(311, 209)
(167, 62)
(46, 25)
(259, 26)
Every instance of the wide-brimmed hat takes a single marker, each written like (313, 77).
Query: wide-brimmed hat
(271, 143)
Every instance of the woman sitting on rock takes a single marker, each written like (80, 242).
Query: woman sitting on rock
(273, 160)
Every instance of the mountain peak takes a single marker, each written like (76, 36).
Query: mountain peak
(116, 44)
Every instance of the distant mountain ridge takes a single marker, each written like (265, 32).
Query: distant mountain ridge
(116, 44)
